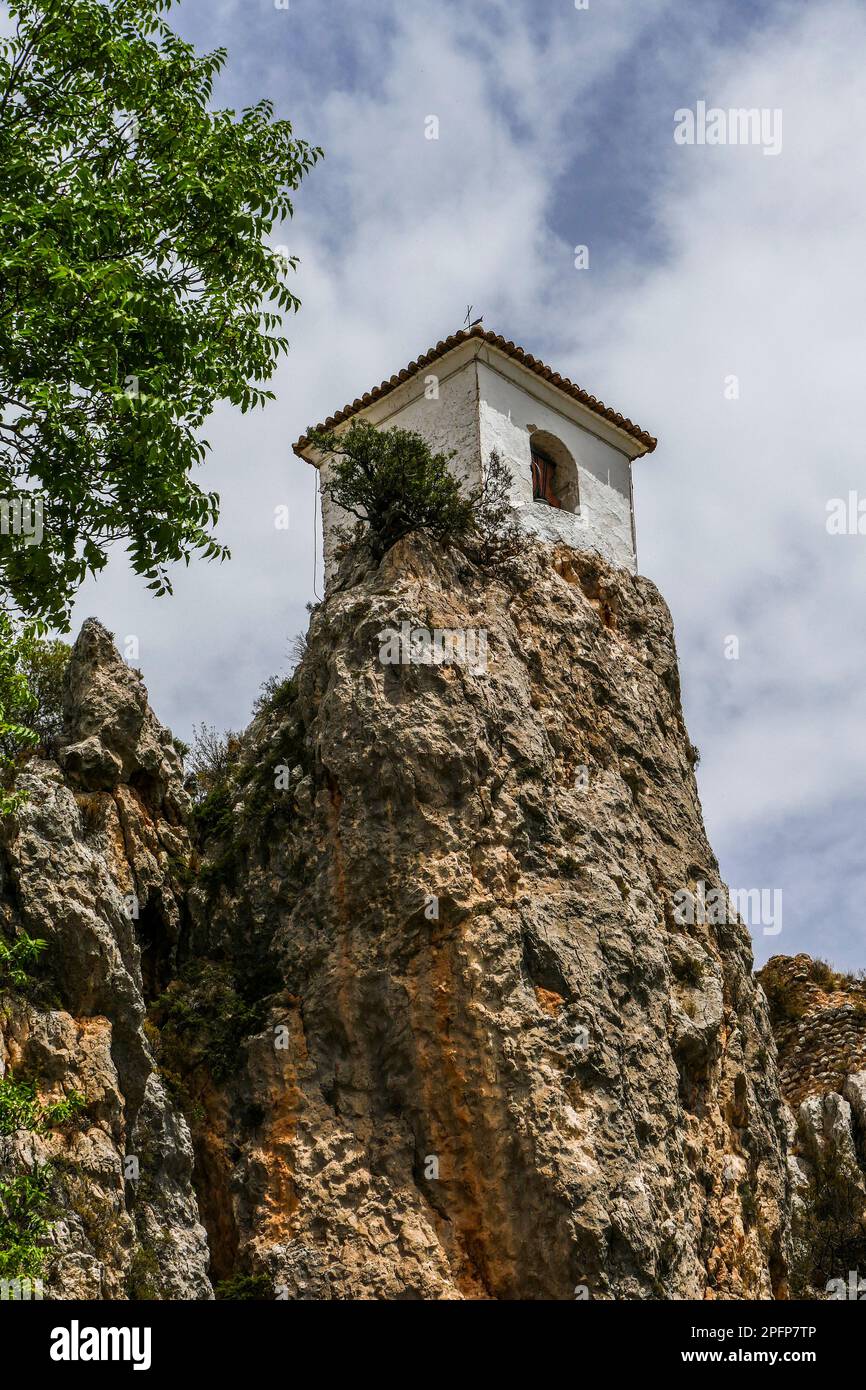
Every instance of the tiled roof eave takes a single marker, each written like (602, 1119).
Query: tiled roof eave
(569, 388)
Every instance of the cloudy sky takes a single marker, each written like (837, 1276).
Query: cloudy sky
(707, 263)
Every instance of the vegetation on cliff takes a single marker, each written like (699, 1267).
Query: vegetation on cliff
(395, 485)
(26, 1210)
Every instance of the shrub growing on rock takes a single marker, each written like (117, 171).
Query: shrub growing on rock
(211, 758)
(394, 484)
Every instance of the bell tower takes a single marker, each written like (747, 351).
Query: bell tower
(569, 455)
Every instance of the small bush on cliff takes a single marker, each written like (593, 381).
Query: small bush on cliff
(496, 536)
(212, 757)
(20, 1108)
(143, 1276)
(214, 815)
(247, 1288)
(25, 1198)
(822, 974)
(24, 1223)
(394, 484)
(277, 694)
(17, 958)
(828, 1230)
(202, 1020)
(31, 699)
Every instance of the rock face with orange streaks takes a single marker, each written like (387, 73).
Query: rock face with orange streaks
(488, 1060)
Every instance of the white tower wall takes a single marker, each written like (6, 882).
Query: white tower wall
(475, 401)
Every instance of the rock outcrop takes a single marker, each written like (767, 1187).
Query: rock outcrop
(492, 1063)
(819, 1020)
(423, 1021)
(94, 865)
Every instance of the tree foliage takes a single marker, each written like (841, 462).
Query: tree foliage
(496, 535)
(31, 694)
(212, 757)
(393, 483)
(21, 1108)
(16, 703)
(136, 285)
(24, 1223)
(16, 959)
(42, 663)
(828, 1230)
(25, 1197)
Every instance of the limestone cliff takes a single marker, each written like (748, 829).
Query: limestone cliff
(819, 1019)
(424, 1003)
(492, 1064)
(94, 867)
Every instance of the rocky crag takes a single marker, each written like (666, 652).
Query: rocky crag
(819, 1020)
(92, 867)
(409, 984)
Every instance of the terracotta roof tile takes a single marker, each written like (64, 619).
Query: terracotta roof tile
(447, 345)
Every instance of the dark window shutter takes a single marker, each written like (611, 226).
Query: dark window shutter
(543, 475)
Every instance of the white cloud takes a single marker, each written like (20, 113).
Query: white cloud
(761, 277)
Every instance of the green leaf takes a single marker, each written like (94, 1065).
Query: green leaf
(137, 287)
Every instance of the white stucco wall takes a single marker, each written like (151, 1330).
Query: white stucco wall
(480, 409)
(509, 414)
(449, 421)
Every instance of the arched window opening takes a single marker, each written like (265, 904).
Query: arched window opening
(543, 476)
(554, 472)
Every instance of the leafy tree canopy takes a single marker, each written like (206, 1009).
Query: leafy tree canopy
(41, 664)
(32, 671)
(136, 287)
(17, 704)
